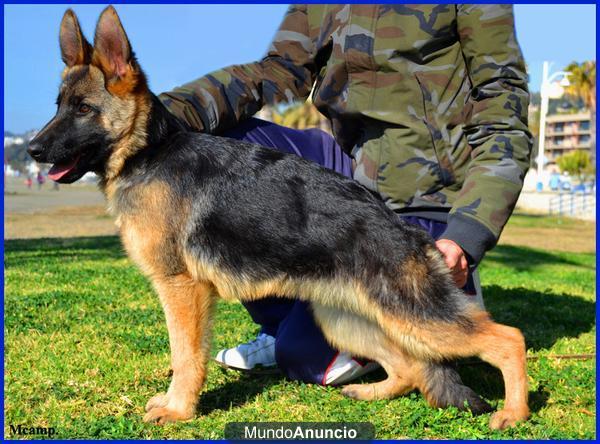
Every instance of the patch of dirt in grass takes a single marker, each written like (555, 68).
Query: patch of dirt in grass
(60, 222)
(573, 237)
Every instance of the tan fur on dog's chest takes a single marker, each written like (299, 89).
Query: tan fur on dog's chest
(150, 225)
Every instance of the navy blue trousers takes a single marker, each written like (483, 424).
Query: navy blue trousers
(301, 351)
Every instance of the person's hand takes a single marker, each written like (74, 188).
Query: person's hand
(455, 259)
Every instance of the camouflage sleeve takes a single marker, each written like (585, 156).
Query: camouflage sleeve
(219, 100)
(495, 128)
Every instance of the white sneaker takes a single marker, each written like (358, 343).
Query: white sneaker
(257, 353)
(345, 368)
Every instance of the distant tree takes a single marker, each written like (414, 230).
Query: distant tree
(583, 84)
(577, 163)
(16, 156)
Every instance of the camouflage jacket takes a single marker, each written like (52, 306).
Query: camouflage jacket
(430, 100)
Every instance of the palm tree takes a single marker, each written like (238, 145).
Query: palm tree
(583, 84)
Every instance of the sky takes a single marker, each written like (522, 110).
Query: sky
(178, 43)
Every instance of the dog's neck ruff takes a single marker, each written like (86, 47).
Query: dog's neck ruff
(133, 140)
(152, 126)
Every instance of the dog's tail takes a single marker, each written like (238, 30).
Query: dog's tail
(443, 388)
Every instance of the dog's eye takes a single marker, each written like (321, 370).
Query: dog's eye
(84, 109)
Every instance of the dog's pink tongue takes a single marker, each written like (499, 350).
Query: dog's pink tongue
(58, 170)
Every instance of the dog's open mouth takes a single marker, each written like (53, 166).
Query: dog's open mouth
(62, 169)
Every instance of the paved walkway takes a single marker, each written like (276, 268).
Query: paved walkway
(19, 199)
(73, 210)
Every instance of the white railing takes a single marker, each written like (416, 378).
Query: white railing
(573, 204)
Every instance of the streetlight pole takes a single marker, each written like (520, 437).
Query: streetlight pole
(543, 111)
(547, 93)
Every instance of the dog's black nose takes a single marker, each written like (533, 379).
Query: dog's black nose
(35, 150)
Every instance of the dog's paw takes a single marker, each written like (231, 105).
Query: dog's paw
(159, 400)
(163, 415)
(507, 418)
(363, 392)
(158, 411)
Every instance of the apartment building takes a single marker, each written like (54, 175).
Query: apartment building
(566, 133)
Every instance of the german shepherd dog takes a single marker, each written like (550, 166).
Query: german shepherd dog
(205, 216)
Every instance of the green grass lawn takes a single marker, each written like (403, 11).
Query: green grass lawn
(86, 345)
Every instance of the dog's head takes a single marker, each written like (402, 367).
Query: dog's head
(102, 92)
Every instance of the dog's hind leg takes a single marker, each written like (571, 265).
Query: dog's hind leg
(188, 308)
(440, 383)
(475, 334)
(361, 337)
(504, 348)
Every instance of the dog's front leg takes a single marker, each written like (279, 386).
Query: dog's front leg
(187, 305)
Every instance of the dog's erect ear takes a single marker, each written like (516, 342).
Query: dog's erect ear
(74, 48)
(113, 55)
